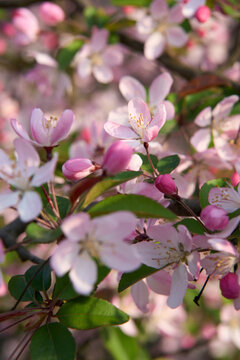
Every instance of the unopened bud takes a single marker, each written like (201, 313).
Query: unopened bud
(51, 13)
(202, 14)
(166, 184)
(117, 157)
(76, 169)
(214, 218)
(229, 286)
(235, 179)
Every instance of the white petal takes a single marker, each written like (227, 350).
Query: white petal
(83, 274)
(179, 286)
(154, 46)
(63, 257)
(140, 295)
(201, 139)
(176, 36)
(30, 206)
(131, 88)
(27, 156)
(76, 226)
(160, 88)
(8, 199)
(45, 173)
(103, 74)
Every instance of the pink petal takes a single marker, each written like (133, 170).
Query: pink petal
(160, 88)
(148, 254)
(225, 198)
(223, 246)
(119, 131)
(103, 73)
(20, 131)
(204, 117)
(99, 39)
(224, 107)
(175, 14)
(184, 237)
(27, 156)
(160, 282)
(176, 36)
(45, 173)
(83, 274)
(64, 257)
(113, 55)
(131, 88)
(62, 128)
(154, 46)
(84, 68)
(8, 199)
(158, 9)
(191, 7)
(201, 139)
(194, 263)
(156, 124)
(231, 226)
(39, 132)
(30, 206)
(140, 295)
(179, 286)
(139, 115)
(170, 110)
(76, 226)
(119, 256)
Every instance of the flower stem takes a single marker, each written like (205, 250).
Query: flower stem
(149, 159)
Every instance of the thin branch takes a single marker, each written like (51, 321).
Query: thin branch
(9, 235)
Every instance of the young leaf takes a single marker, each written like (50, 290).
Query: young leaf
(140, 205)
(52, 342)
(109, 183)
(63, 289)
(131, 278)
(146, 165)
(168, 164)
(204, 191)
(193, 226)
(42, 281)
(89, 313)
(66, 55)
(40, 235)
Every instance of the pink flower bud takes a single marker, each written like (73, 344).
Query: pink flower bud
(235, 179)
(51, 13)
(76, 169)
(117, 157)
(214, 218)
(202, 14)
(166, 184)
(229, 286)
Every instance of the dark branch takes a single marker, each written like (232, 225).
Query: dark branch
(8, 4)
(9, 235)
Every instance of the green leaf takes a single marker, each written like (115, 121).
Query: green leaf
(63, 206)
(146, 165)
(109, 183)
(141, 3)
(120, 24)
(40, 235)
(42, 281)
(204, 191)
(193, 226)
(140, 205)
(63, 289)
(52, 342)
(168, 164)
(66, 54)
(131, 278)
(96, 16)
(89, 313)
(16, 286)
(122, 346)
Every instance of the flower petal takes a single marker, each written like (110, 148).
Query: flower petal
(45, 173)
(160, 88)
(103, 73)
(154, 46)
(204, 117)
(156, 124)
(160, 282)
(62, 128)
(131, 88)
(139, 115)
(201, 139)
(64, 256)
(83, 274)
(8, 199)
(39, 132)
(30, 206)
(178, 287)
(76, 226)
(27, 156)
(140, 295)
(18, 128)
(224, 107)
(176, 36)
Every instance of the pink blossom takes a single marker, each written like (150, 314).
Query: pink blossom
(229, 286)
(51, 13)
(235, 179)
(171, 247)
(102, 237)
(47, 132)
(226, 198)
(214, 218)
(161, 28)
(166, 184)
(23, 175)
(98, 58)
(26, 25)
(159, 89)
(203, 13)
(141, 126)
(190, 7)
(117, 157)
(76, 169)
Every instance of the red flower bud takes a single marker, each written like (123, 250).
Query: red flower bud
(166, 184)
(214, 218)
(229, 286)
